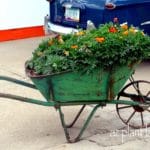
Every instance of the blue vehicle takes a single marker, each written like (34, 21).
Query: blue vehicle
(68, 15)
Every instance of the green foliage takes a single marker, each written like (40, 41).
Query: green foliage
(108, 45)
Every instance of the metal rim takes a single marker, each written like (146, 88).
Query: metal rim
(142, 111)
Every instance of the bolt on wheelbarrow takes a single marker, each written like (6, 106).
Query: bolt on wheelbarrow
(100, 88)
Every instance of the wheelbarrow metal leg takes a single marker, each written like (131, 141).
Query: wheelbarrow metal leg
(77, 138)
(76, 118)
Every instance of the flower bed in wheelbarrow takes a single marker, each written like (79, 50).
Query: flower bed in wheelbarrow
(91, 67)
(87, 65)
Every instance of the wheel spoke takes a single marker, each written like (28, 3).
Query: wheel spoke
(136, 87)
(142, 119)
(131, 78)
(124, 107)
(139, 92)
(131, 116)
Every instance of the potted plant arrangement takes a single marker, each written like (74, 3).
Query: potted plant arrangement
(95, 63)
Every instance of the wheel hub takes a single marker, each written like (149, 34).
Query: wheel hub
(138, 99)
(138, 108)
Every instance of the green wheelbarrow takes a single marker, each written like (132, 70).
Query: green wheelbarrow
(99, 88)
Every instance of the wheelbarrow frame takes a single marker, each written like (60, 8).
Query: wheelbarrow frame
(59, 104)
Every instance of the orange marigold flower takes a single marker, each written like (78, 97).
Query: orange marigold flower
(59, 38)
(125, 32)
(74, 46)
(61, 41)
(39, 53)
(66, 53)
(100, 39)
(143, 33)
(50, 42)
(132, 30)
(124, 26)
(80, 33)
(112, 30)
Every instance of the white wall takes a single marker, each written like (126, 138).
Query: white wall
(22, 13)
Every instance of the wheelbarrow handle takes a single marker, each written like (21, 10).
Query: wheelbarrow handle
(28, 100)
(16, 81)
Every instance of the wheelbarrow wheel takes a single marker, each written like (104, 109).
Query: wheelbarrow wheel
(135, 116)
